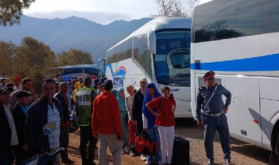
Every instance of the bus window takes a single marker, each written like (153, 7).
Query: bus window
(172, 61)
(92, 71)
(72, 70)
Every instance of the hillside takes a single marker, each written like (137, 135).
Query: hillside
(73, 32)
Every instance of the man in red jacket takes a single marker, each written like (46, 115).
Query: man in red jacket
(106, 125)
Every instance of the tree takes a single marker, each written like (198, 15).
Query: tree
(34, 59)
(74, 57)
(7, 56)
(170, 8)
(11, 11)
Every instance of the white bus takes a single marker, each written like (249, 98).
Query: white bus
(239, 40)
(158, 51)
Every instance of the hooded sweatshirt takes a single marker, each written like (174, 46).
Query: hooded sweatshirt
(149, 119)
(121, 101)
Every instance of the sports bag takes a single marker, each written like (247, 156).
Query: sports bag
(144, 145)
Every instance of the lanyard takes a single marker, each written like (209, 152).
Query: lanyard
(213, 93)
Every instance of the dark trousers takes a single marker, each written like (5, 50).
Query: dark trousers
(6, 157)
(139, 127)
(64, 141)
(20, 154)
(211, 124)
(87, 153)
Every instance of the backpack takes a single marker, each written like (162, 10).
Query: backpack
(144, 145)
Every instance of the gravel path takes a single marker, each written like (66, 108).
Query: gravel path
(242, 153)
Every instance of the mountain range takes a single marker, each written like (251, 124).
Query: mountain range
(71, 33)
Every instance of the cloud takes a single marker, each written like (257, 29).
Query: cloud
(98, 17)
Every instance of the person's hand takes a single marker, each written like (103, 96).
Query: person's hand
(95, 135)
(226, 109)
(135, 123)
(199, 124)
(144, 130)
(25, 147)
(156, 115)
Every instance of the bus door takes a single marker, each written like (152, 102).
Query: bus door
(244, 115)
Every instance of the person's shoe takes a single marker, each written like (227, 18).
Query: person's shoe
(143, 157)
(227, 161)
(68, 161)
(210, 162)
(125, 150)
(147, 163)
(132, 154)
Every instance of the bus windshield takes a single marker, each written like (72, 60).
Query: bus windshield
(172, 60)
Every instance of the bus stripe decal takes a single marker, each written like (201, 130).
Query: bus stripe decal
(262, 63)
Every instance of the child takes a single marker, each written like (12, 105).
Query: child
(129, 104)
(165, 122)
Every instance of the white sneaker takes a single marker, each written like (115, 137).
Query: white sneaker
(143, 157)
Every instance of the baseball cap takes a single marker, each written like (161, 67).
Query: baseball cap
(23, 93)
(3, 89)
(17, 79)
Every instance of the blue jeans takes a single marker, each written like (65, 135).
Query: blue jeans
(211, 124)
(154, 136)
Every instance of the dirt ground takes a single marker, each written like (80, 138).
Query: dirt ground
(241, 153)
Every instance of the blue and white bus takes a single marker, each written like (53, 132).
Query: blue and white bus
(79, 71)
(158, 51)
(238, 39)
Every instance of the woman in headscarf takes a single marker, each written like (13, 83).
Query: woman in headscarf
(114, 92)
(124, 119)
(149, 120)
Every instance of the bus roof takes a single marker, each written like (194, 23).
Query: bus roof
(80, 66)
(159, 23)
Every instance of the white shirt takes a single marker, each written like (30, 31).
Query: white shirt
(17, 88)
(53, 116)
(14, 139)
(129, 105)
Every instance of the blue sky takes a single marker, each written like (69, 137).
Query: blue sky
(100, 11)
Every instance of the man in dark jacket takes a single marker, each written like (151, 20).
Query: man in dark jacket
(42, 128)
(8, 137)
(137, 106)
(64, 127)
(19, 114)
(137, 109)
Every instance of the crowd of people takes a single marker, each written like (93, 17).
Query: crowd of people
(34, 125)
